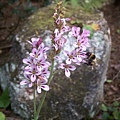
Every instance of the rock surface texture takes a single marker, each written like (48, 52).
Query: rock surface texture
(68, 99)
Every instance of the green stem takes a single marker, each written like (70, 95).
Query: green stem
(34, 101)
(44, 92)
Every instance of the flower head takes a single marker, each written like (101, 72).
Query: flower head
(71, 56)
(26, 81)
(75, 31)
(41, 84)
(35, 42)
(67, 68)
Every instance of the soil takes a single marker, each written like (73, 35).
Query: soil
(8, 27)
(112, 90)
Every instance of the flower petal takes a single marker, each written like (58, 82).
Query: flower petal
(68, 61)
(30, 85)
(39, 68)
(26, 61)
(61, 66)
(67, 73)
(24, 82)
(39, 89)
(79, 58)
(28, 72)
(45, 87)
(72, 68)
(33, 78)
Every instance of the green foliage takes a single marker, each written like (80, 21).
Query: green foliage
(2, 116)
(4, 99)
(88, 4)
(103, 107)
(74, 2)
(93, 4)
(111, 112)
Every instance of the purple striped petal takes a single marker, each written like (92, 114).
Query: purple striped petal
(79, 58)
(33, 78)
(26, 61)
(68, 61)
(45, 87)
(24, 82)
(28, 72)
(39, 89)
(72, 68)
(67, 73)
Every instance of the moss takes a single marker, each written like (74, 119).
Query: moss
(42, 19)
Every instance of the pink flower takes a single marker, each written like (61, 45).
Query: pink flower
(71, 57)
(43, 49)
(59, 42)
(67, 68)
(41, 81)
(45, 72)
(26, 81)
(85, 33)
(33, 72)
(80, 55)
(61, 21)
(56, 32)
(82, 42)
(35, 53)
(75, 31)
(35, 42)
(41, 63)
(28, 60)
(65, 29)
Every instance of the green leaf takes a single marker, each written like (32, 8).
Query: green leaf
(115, 114)
(116, 103)
(1, 103)
(104, 107)
(4, 99)
(109, 81)
(2, 116)
(119, 116)
(111, 117)
(105, 116)
(111, 109)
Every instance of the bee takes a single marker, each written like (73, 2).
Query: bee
(91, 60)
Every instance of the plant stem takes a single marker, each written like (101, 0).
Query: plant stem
(44, 92)
(34, 101)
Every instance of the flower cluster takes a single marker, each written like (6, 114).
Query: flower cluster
(81, 41)
(78, 55)
(36, 71)
(61, 28)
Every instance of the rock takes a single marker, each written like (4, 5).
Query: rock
(68, 99)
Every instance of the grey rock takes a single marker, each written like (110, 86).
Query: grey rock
(68, 99)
